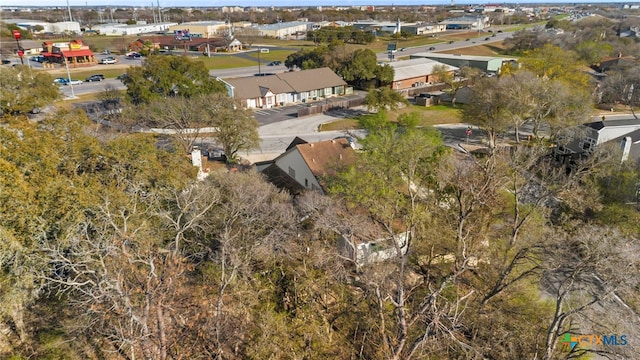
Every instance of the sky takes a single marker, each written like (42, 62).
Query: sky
(259, 3)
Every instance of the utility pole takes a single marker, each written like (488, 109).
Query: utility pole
(69, 8)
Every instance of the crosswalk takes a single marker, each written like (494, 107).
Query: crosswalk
(269, 111)
(276, 110)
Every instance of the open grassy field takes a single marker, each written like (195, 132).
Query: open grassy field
(272, 55)
(226, 62)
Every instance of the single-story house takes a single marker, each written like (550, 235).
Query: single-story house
(415, 73)
(303, 166)
(285, 88)
(203, 45)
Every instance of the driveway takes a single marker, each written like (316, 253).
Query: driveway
(283, 113)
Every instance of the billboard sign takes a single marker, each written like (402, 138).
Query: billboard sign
(182, 35)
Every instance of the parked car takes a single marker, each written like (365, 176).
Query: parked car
(96, 77)
(450, 42)
(133, 55)
(487, 38)
(73, 82)
(37, 58)
(275, 63)
(106, 52)
(108, 60)
(432, 48)
(499, 31)
(403, 49)
(6, 62)
(60, 81)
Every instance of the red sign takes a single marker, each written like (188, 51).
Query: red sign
(20, 53)
(16, 34)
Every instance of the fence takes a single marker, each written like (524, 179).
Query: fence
(319, 108)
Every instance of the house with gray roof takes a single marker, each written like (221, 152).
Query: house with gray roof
(286, 88)
(622, 133)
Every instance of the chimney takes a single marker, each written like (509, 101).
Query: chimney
(196, 157)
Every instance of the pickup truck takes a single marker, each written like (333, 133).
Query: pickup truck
(108, 60)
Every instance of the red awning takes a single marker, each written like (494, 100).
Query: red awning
(76, 53)
(48, 54)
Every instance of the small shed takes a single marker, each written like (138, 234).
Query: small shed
(429, 98)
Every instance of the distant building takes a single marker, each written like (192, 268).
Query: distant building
(284, 30)
(116, 29)
(203, 29)
(489, 64)
(424, 28)
(467, 22)
(47, 27)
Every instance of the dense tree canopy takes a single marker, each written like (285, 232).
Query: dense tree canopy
(359, 68)
(23, 90)
(165, 76)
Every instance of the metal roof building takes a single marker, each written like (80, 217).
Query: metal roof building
(484, 63)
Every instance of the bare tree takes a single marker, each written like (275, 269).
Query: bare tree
(488, 109)
(582, 276)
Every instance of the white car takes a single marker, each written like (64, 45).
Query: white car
(73, 82)
(108, 60)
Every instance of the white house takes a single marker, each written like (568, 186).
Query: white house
(304, 165)
(624, 133)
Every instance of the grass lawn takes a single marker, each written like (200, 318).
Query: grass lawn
(272, 55)
(431, 115)
(342, 124)
(226, 62)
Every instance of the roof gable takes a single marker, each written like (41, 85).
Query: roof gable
(312, 79)
(288, 82)
(324, 157)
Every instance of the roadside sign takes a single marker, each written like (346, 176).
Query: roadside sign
(16, 34)
(264, 51)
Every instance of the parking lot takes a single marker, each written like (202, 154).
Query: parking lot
(282, 113)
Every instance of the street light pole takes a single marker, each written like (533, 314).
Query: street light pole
(66, 63)
(259, 51)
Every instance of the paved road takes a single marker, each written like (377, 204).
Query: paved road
(91, 87)
(474, 40)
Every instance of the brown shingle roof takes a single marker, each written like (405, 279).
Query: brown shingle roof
(312, 79)
(324, 157)
(250, 87)
(288, 82)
